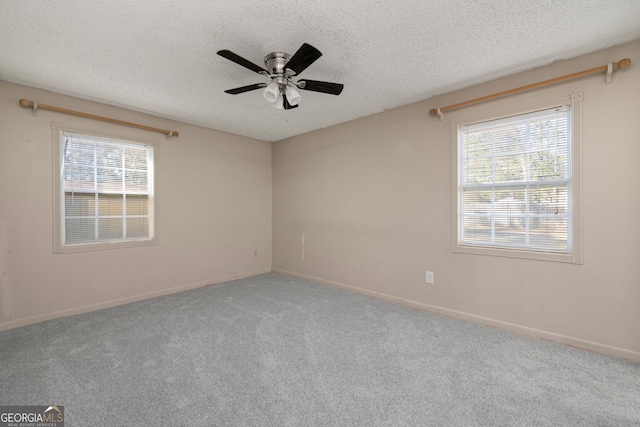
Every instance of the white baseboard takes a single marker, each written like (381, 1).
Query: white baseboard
(523, 330)
(121, 301)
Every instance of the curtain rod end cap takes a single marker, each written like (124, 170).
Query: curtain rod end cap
(624, 63)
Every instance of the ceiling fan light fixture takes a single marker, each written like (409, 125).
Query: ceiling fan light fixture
(272, 92)
(278, 104)
(293, 96)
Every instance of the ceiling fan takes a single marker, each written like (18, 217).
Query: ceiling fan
(281, 68)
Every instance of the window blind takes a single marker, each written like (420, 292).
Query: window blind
(515, 182)
(107, 187)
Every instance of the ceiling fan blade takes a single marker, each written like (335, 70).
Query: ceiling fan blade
(247, 88)
(286, 104)
(304, 57)
(324, 87)
(241, 61)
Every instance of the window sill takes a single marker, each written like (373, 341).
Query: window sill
(89, 247)
(571, 258)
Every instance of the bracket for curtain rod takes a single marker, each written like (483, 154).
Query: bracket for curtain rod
(35, 106)
(607, 79)
(609, 69)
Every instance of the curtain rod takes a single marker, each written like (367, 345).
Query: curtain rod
(622, 64)
(36, 106)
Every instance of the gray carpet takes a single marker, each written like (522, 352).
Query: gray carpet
(277, 351)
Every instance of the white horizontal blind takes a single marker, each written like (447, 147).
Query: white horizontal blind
(107, 187)
(515, 182)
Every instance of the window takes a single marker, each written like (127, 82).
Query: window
(517, 184)
(104, 192)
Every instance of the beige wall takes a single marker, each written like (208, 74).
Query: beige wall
(214, 211)
(372, 198)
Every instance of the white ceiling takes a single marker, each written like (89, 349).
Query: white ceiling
(159, 56)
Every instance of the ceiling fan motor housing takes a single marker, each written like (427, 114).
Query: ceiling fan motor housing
(275, 62)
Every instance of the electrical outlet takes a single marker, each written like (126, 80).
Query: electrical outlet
(429, 277)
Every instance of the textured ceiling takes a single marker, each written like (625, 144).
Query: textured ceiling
(160, 56)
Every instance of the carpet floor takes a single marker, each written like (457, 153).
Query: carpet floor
(272, 350)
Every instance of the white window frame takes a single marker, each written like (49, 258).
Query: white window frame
(59, 245)
(574, 254)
